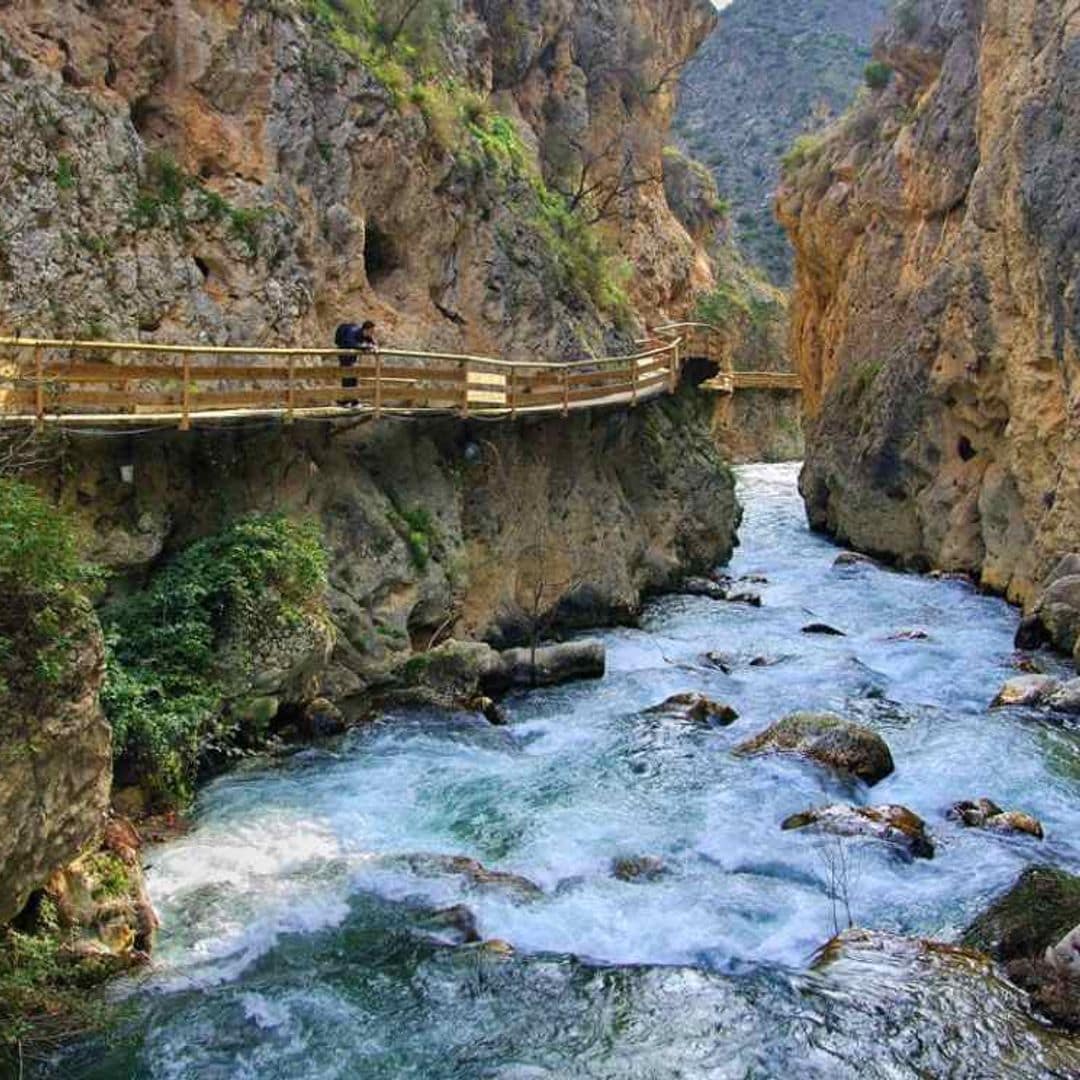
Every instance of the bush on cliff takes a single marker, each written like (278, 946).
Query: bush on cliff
(164, 692)
(42, 572)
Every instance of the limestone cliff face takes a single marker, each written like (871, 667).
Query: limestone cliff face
(437, 527)
(935, 315)
(255, 171)
(55, 746)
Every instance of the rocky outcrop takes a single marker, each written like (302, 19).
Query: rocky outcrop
(933, 324)
(55, 746)
(827, 739)
(434, 528)
(253, 173)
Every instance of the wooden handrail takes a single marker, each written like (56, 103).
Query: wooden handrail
(168, 382)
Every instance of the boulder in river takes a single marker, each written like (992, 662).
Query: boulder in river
(698, 708)
(724, 662)
(1030, 930)
(986, 814)
(891, 824)
(1027, 690)
(915, 633)
(475, 873)
(551, 664)
(829, 740)
(824, 629)
(1066, 697)
(638, 867)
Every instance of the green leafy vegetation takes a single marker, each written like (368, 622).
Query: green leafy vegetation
(65, 176)
(418, 530)
(44, 997)
(171, 198)
(41, 575)
(805, 148)
(878, 75)
(164, 691)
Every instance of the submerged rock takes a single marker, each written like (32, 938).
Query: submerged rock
(856, 942)
(745, 596)
(638, 867)
(459, 920)
(724, 662)
(698, 708)
(854, 558)
(891, 824)
(829, 740)
(986, 814)
(824, 629)
(1025, 690)
(702, 586)
(914, 634)
(320, 719)
(474, 872)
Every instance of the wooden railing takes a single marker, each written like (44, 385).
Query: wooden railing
(48, 379)
(43, 379)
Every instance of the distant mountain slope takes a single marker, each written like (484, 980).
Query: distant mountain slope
(771, 70)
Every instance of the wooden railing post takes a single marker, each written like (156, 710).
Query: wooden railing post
(633, 380)
(565, 391)
(185, 396)
(39, 388)
(378, 384)
(673, 379)
(513, 393)
(464, 388)
(290, 392)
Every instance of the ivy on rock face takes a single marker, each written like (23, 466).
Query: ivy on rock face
(164, 693)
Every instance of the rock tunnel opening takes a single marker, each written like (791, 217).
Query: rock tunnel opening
(381, 255)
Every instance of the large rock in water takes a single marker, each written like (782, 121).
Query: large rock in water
(829, 740)
(55, 745)
(893, 825)
(1033, 931)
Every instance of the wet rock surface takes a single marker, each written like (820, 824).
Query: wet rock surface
(986, 814)
(698, 709)
(894, 825)
(827, 739)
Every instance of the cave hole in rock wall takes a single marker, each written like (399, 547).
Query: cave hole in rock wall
(381, 254)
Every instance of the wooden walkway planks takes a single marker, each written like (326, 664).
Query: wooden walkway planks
(44, 380)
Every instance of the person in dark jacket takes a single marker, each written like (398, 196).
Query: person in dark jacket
(362, 339)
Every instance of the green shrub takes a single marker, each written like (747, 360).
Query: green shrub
(163, 692)
(43, 994)
(906, 14)
(39, 548)
(877, 74)
(66, 177)
(804, 149)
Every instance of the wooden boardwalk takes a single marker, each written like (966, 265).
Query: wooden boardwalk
(48, 380)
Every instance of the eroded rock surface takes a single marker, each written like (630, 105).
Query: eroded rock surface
(55, 745)
(933, 323)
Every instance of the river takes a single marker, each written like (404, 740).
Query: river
(295, 945)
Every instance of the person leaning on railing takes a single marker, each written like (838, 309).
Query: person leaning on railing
(362, 339)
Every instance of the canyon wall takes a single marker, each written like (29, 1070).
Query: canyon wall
(256, 171)
(434, 528)
(935, 314)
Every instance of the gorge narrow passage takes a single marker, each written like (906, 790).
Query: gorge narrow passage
(298, 937)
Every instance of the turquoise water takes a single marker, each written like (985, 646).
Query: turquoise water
(297, 942)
